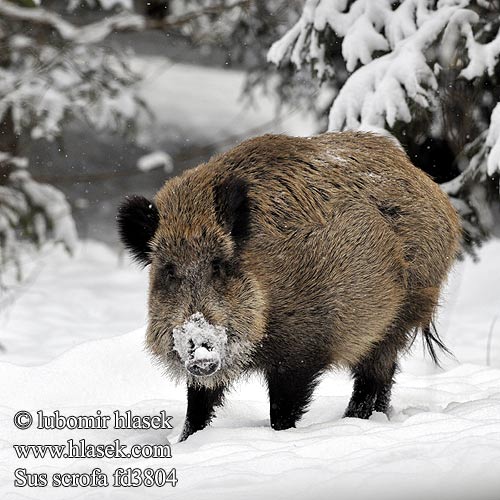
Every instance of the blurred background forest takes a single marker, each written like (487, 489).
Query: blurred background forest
(100, 99)
(104, 98)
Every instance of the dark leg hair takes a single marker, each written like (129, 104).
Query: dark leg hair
(373, 380)
(383, 399)
(201, 403)
(290, 391)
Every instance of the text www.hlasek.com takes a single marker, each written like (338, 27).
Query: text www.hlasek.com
(82, 449)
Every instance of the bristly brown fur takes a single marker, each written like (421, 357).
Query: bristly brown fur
(336, 248)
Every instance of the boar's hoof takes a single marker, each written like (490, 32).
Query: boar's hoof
(282, 425)
(363, 409)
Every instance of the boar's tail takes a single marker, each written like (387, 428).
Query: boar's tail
(432, 340)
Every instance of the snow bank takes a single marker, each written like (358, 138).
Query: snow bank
(443, 440)
(172, 91)
(156, 159)
(469, 305)
(68, 300)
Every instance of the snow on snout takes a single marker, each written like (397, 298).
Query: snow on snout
(198, 340)
(202, 353)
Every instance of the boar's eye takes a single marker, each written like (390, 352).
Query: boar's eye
(217, 268)
(166, 278)
(168, 272)
(223, 269)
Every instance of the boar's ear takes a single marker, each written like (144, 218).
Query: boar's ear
(232, 207)
(137, 222)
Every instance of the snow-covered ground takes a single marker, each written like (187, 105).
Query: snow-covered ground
(72, 300)
(205, 105)
(66, 348)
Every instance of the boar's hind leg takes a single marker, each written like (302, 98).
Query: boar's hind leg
(373, 380)
(200, 408)
(290, 392)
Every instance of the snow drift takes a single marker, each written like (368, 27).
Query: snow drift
(442, 441)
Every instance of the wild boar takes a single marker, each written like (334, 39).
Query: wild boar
(288, 256)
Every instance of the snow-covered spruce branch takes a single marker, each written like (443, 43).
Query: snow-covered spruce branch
(91, 33)
(427, 72)
(45, 88)
(186, 18)
(31, 215)
(386, 52)
(98, 31)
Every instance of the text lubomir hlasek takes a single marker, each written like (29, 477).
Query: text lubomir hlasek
(118, 420)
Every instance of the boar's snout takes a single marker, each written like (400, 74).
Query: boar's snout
(200, 345)
(204, 362)
(202, 365)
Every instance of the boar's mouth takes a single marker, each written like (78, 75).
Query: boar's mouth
(200, 345)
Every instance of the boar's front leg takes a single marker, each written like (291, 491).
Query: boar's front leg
(201, 404)
(290, 391)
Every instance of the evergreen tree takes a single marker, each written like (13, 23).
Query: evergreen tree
(424, 71)
(50, 72)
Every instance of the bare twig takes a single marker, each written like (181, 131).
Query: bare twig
(173, 21)
(490, 337)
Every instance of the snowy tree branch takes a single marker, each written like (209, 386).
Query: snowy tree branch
(98, 31)
(175, 21)
(428, 72)
(91, 33)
